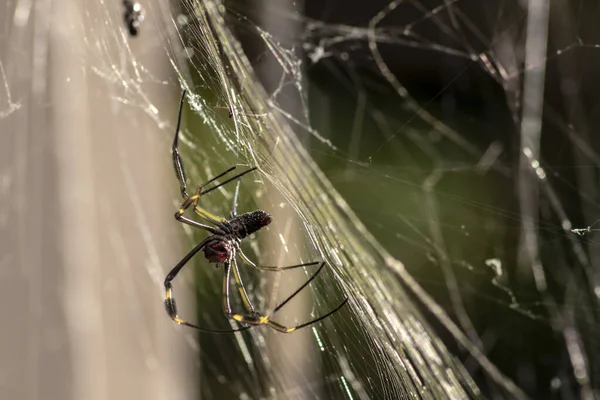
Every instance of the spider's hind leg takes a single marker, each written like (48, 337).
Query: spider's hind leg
(284, 329)
(171, 304)
(256, 319)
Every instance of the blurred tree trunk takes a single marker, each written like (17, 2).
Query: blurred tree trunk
(86, 231)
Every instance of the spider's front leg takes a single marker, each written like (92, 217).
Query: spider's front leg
(192, 201)
(189, 201)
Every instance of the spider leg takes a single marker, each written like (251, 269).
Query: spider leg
(196, 224)
(250, 310)
(225, 182)
(314, 321)
(252, 318)
(273, 269)
(177, 161)
(171, 305)
(180, 174)
(284, 329)
(305, 284)
(193, 200)
(173, 273)
(256, 319)
(241, 288)
(233, 212)
(190, 201)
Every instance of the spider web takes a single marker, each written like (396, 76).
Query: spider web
(418, 150)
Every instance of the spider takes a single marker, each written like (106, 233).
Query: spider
(222, 247)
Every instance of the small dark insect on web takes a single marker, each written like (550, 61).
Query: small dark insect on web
(222, 248)
(586, 230)
(133, 16)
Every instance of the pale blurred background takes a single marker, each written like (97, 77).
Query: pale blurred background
(83, 209)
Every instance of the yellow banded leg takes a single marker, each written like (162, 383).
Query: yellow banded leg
(241, 288)
(192, 201)
(171, 305)
(215, 219)
(226, 301)
(258, 319)
(209, 216)
(279, 327)
(186, 204)
(254, 318)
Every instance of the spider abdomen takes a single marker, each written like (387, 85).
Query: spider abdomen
(217, 251)
(250, 222)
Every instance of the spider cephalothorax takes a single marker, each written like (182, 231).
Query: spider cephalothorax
(222, 247)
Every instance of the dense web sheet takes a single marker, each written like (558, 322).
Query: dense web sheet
(377, 347)
(457, 245)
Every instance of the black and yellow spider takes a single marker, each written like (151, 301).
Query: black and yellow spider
(222, 247)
